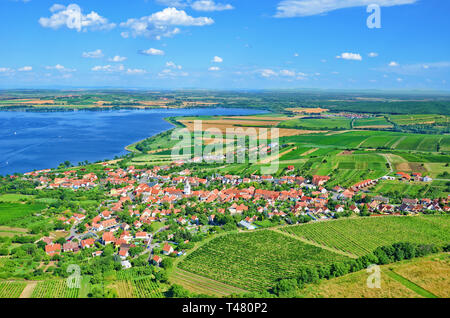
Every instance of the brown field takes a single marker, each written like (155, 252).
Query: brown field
(346, 153)
(430, 273)
(410, 167)
(32, 101)
(156, 102)
(355, 286)
(307, 110)
(223, 125)
(260, 118)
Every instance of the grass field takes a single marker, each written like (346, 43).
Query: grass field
(431, 190)
(14, 211)
(255, 261)
(361, 236)
(422, 277)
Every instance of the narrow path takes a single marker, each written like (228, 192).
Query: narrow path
(28, 290)
(411, 285)
(301, 239)
(397, 142)
(386, 156)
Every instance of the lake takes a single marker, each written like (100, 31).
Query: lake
(40, 140)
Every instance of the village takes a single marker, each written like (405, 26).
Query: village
(140, 198)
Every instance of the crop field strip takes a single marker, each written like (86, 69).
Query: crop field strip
(133, 285)
(203, 285)
(363, 235)
(245, 260)
(11, 289)
(54, 289)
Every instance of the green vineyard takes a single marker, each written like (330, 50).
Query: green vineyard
(54, 289)
(11, 289)
(363, 235)
(255, 261)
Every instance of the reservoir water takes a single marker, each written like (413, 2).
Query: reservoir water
(40, 140)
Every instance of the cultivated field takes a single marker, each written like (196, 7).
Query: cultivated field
(255, 261)
(361, 236)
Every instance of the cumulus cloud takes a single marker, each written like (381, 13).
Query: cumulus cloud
(416, 69)
(73, 18)
(198, 5)
(373, 54)
(173, 65)
(25, 69)
(136, 71)
(209, 5)
(170, 73)
(267, 73)
(117, 59)
(93, 55)
(214, 68)
(164, 23)
(152, 51)
(217, 59)
(61, 68)
(6, 70)
(302, 8)
(108, 68)
(350, 56)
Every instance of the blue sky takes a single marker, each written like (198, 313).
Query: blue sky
(224, 44)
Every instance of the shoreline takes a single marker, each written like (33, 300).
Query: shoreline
(129, 148)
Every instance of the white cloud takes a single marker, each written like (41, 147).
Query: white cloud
(267, 73)
(399, 79)
(214, 68)
(416, 69)
(296, 55)
(209, 5)
(152, 51)
(72, 17)
(6, 70)
(350, 56)
(166, 73)
(302, 8)
(94, 54)
(173, 65)
(60, 68)
(25, 69)
(217, 59)
(136, 71)
(373, 54)
(198, 5)
(117, 59)
(108, 68)
(287, 73)
(164, 23)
